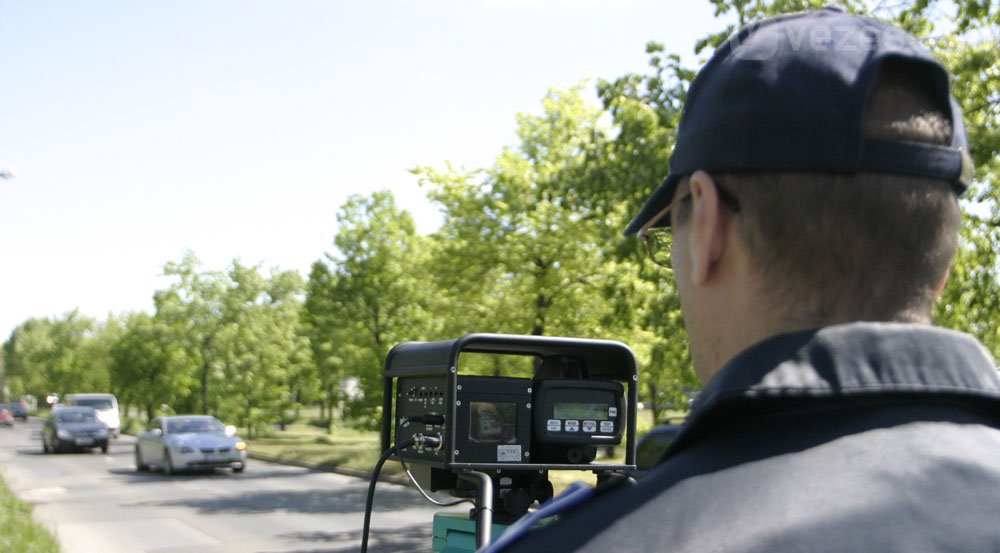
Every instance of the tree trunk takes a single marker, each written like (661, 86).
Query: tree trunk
(249, 423)
(204, 387)
(652, 390)
(333, 398)
(204, 374)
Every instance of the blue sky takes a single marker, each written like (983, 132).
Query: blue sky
(236, 129)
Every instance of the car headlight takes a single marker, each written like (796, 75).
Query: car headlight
(102, 433)
(185, 449)
(63, 434)
(240, 446)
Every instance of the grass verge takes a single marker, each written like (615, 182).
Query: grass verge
(346, 448)
(358, 451)
(19, 531)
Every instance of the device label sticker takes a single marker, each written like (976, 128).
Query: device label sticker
(508, 453)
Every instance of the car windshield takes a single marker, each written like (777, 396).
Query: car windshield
(97, 403)
(75, 416)
(199, 425)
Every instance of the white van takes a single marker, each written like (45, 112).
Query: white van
(106, 406)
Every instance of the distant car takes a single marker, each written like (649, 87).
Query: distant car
(74, 428)
(18, 410)
(6, 417)
(189, 442)
(653, 445)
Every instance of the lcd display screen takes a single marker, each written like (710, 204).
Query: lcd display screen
(493, 422)
(580, 411)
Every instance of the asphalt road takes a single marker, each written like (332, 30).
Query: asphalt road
(97, 502)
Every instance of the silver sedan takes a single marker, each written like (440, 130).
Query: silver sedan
(189, 442)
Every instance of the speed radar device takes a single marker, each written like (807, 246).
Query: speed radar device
(504, 432)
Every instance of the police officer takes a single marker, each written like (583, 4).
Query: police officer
(810, 216)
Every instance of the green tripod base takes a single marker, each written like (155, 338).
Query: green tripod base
(456, 533)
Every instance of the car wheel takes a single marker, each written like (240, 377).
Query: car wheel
(168, 464)
(104, 447)
(139, 465)
(239, 468)
(45, 447)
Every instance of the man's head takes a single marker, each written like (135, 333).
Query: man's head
(815, 178)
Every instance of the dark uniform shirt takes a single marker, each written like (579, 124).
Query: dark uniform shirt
(862, 437)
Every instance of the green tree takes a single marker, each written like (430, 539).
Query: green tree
(193, 308)
(259, 350)
(967, 43)
(324, 327)
(646, 111)
(148, 364)
(241, 348)
(61, 355)
(372, 296)
(516, 254)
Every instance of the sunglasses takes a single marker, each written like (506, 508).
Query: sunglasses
(659, 240)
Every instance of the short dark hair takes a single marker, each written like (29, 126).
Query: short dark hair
(835, 247)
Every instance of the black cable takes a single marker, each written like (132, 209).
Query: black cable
(371, 489)
(427, 419)
(430, 441)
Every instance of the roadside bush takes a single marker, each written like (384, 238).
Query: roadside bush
(319, 422)
(132, 425)
(288, 417)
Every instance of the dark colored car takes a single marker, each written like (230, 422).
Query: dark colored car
(74, 429)
(6, 417)
(653, 445)
(18, 410)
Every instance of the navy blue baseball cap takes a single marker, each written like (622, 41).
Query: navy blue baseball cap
(789, 94)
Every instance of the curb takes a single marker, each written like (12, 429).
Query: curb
(399, 480)
(362, 474)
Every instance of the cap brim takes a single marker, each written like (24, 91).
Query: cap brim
(659, 200)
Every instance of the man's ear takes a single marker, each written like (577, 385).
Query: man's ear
(708, 237)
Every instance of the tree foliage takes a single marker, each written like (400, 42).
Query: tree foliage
(259, 351)
(367, 296)
(61, 355)
(523, 256)
(530, 244)
(149, 365)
